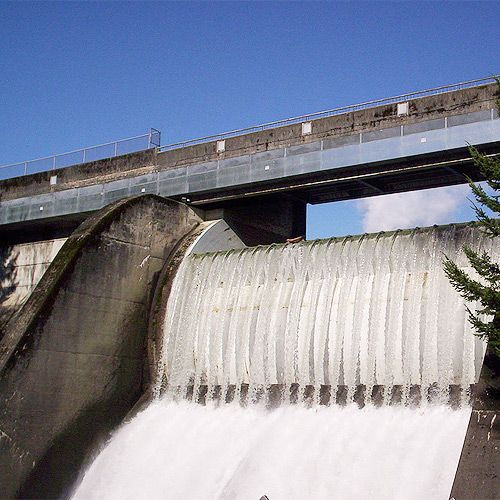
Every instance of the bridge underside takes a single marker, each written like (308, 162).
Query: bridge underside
(375, 179)
(445, 168)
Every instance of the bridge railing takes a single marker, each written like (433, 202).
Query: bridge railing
(332, 112)
(152, 139)
(92, 153)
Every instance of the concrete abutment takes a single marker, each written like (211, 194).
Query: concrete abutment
(72, 359)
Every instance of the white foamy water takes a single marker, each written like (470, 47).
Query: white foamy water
(374, 312)
(188, 451)
(371, 310)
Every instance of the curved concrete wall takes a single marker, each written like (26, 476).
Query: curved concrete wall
(72, 360)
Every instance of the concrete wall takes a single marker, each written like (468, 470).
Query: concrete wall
(72, 364)
(264, 220)
(21, 267)
(380, 117)
(479, 466)
(218, 237)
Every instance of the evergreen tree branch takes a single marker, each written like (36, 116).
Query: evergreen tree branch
(483, 265)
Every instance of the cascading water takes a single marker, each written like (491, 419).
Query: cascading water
(324, 369)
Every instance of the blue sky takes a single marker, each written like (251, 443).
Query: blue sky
(76, 74)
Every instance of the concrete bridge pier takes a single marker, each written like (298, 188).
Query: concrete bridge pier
(263, 220)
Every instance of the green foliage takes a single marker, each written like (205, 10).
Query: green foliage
(486, 320)
(487, 294)
(490, 168)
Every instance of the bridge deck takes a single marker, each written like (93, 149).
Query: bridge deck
(364, 153)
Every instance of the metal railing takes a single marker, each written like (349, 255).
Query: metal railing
(107, 150)
(332, 112)
(152, 139)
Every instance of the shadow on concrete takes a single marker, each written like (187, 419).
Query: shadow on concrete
(7, 283)
(56, 473)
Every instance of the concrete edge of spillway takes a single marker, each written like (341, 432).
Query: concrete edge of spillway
(160, 297)
(72, 359)
(477, 471)
(207, 237)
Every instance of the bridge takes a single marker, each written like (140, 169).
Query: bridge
(403, 143)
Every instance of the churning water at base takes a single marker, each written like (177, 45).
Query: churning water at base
(193, 452)
(282, 345)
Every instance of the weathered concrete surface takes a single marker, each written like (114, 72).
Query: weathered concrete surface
(144, 162)
(72, 364)
(218, 238)
(427, 108)
(21, 267)
(478, 473)
(73, 176)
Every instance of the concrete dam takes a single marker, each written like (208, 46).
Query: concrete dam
(163, 344)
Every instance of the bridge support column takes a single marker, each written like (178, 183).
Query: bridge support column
(263, 220)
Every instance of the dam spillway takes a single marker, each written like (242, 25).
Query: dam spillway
(366, 344)
(373, 310)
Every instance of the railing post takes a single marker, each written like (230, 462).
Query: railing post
(116, 148)
(25, 167)
(83, 161)
(54, 163)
